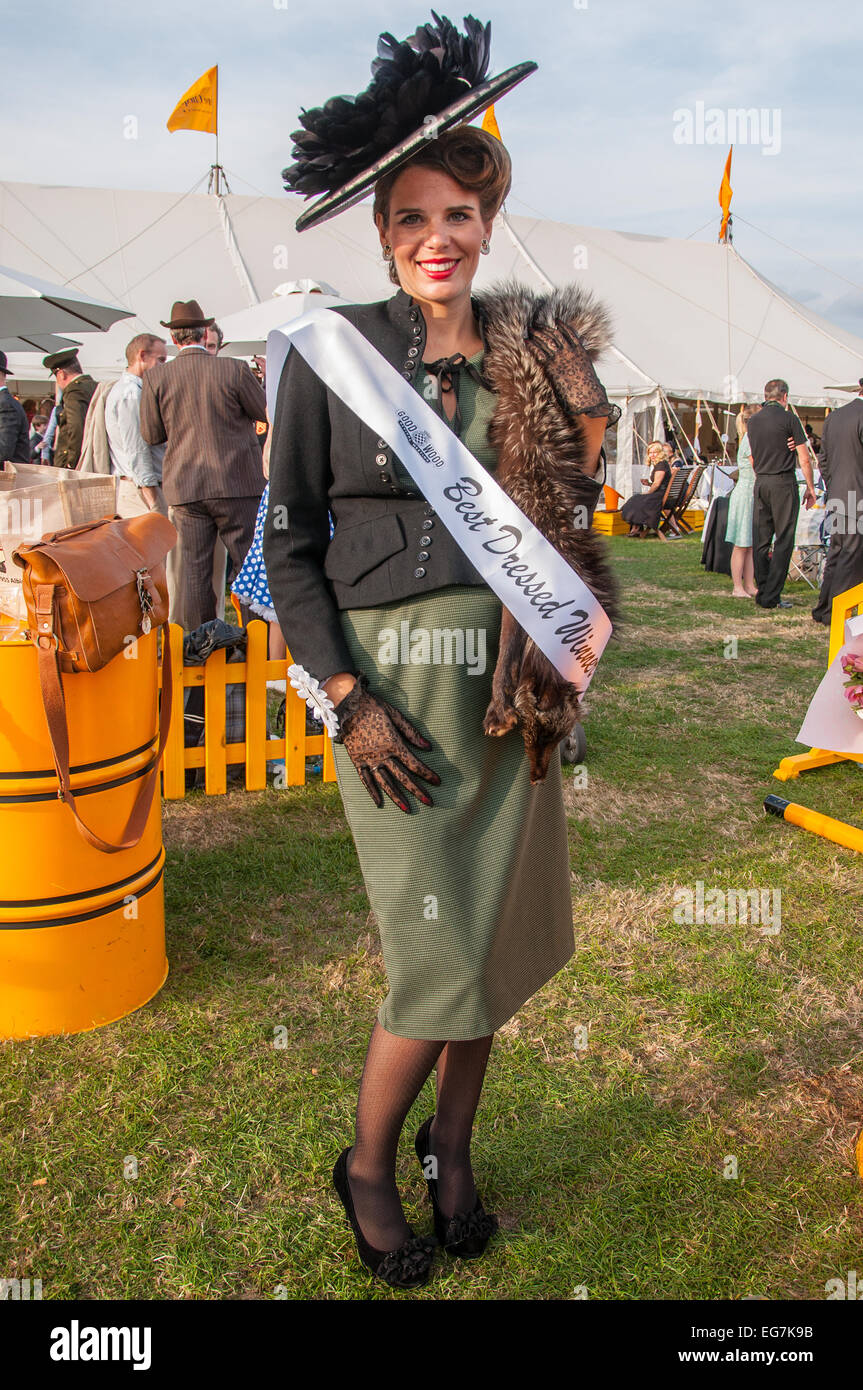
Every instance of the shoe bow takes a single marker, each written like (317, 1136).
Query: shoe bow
(478, 1224)
(410, 1261)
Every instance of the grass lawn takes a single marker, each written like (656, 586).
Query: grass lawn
(709, 1048)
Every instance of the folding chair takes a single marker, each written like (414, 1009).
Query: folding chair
(675, 489)
(675, 504)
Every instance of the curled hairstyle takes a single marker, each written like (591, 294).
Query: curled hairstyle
(470, 157)
(655, 452)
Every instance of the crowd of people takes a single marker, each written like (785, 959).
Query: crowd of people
(774, 463)
(189, 432)
(764, 506)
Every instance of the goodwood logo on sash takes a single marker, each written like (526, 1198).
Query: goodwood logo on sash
(514, 558)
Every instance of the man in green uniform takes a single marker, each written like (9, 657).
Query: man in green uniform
(77, 390)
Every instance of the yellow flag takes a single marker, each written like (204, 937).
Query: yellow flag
(725, 192)
(489, 123)
(198, 109)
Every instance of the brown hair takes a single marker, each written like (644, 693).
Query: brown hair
(183, 336)
(471, 157)
(775, 389)
(143, 342)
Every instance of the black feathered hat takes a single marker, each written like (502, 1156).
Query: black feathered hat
(435, 79)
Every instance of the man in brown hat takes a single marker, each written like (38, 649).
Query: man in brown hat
(77, 390)
(205, 408)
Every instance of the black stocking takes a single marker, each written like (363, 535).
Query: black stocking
(393, 1076)
(460, 1074)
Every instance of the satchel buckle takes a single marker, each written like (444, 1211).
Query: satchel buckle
(145, 597)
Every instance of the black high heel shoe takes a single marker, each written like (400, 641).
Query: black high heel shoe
(405, 1268)
(467, 1233)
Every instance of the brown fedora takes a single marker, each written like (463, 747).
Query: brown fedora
(186, 313)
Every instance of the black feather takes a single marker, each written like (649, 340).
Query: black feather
(411, 79)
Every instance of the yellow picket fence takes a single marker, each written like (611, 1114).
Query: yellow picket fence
(257, 749)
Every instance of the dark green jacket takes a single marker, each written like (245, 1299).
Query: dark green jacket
(71, 414)
(325, 459)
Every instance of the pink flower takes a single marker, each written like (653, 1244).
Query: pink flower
(854, 694)
(852, 665)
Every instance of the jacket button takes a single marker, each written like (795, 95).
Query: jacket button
(425, 540)
(382, 444)
(385, 477)
(423, 555)
(419, 572)
(381, 460)
(414, 314)
(408, 368)
(412, 352)
(428, 523)
(407, 375)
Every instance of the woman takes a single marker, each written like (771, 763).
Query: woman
(642, 511)
(738, 531)
(453, 881)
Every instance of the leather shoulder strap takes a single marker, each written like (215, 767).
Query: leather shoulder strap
(55, 712)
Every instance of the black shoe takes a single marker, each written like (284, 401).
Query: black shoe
(405, 1268)
(468, 1232)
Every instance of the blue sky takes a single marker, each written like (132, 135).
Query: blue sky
(592, 134)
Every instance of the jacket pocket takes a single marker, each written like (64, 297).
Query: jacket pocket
(358, 549)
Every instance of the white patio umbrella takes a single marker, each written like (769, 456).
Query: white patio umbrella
(246, 330)
(41, 343)
(31, 307)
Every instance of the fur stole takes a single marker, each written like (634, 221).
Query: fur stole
(541, 454)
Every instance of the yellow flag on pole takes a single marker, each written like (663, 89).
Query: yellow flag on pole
(198, 109)
(725, 192)
(489, 123)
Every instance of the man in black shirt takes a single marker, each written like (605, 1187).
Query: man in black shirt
(777, 499)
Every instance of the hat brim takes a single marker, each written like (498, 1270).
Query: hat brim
(464, 109)
(189, 323)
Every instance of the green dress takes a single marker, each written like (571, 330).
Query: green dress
(472, 896)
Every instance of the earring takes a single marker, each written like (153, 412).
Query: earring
(388, 252)
(484, 246)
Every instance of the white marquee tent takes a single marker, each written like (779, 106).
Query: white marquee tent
(692, 318)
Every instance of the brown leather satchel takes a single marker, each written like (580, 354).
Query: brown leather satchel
(89, 591)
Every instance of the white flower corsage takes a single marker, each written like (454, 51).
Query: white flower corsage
(315, 697)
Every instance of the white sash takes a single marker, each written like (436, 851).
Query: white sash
(542, 592)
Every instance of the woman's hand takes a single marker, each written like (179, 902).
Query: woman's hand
(376, 736)
(337, 686)
(566, 362)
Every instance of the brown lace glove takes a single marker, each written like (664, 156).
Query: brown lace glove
(376, 736)
(566, 362)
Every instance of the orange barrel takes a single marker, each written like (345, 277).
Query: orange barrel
(82, 933)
